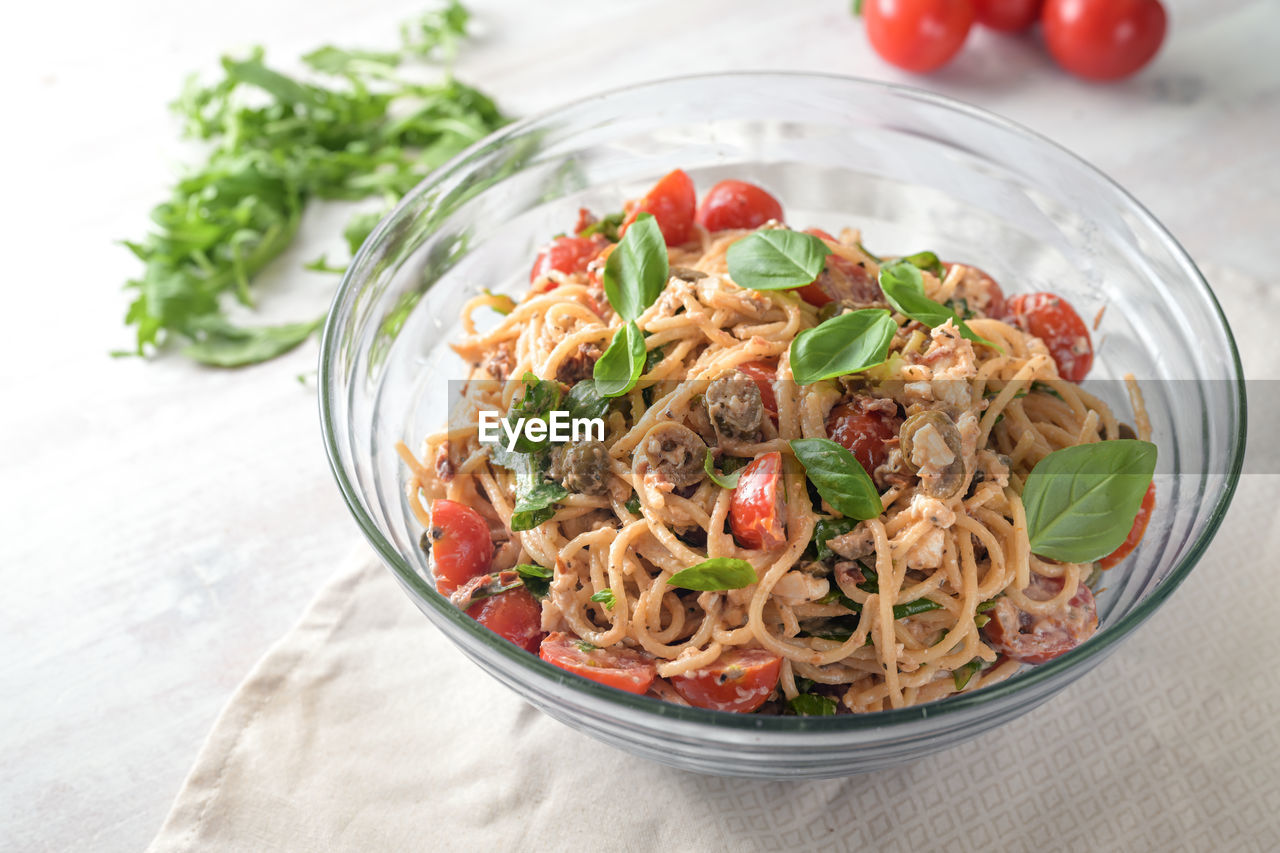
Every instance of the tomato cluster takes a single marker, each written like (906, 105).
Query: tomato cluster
(1095, 39)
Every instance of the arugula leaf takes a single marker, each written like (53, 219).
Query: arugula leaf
(813, 705)
(537, 579)
(717, 573)
(839, 477)
(728, 481)
(927, 261)
(277, 144)
(776, 259)
(605, 597)
(903, 287)
(827, 529)
(844, 344)
(618, 370)
(1081, 501)
(637, 270)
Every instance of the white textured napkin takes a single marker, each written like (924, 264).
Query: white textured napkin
(364, 729)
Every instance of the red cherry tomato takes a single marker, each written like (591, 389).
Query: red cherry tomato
(737, 204)
(1036, 638)
(514, 614)
(840, 279)
(621, 668)
(1007, 16)
(461, 547)
(1052, 319)
(1139, 529)
(977, 281)
(755, 512)
(863, 432)
(565, 254)
(918, 35)
(1103, 39)
(763, 374)
(672, 201)
(739, 681)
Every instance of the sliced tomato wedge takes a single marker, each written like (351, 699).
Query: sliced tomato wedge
(1036, 638)
(621, 668)
(1139, 529)
(461, 547)
(763, 374)
(739, 681)
(673, 202)
(514, 614)
(863, 429)
(567, 255)
(737, 204)
(756, 509)
(1052, 319)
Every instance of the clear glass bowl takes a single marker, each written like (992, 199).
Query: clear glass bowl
(914, 171)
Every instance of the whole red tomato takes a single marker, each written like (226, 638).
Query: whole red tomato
(1007, 16)
(918, 35)
(1103, 39)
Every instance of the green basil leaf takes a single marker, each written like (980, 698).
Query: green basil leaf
(633, 504)
(1081, 501)
(776, 259)
(540, 397)
(845, 344)
(617, 371)
(927, 261)
(584, 400)
(962, 675)
(637, 271)
(536, 496)
(715, 574)
(728, 481)
(904, 289)
(537, 579)
(607, 226)
(827, 529)
(654, 356)
(528, 570)
(839, 477)
(813, 705)
(605, 597)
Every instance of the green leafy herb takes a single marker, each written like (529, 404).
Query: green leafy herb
(585, 401)
(618, 369)
(537, 579)
(540, 397)
(962, 675)
(505, 303)
(728, 481)
(276, 144)
(716, 573)
(867, 252)
(813, 705)
(607, 226)
(633, 504)
(654, 356)
(845, 344)
(637, 270)
(584, 646)
(1081, 501)
(827, 529)
(536, 496)
(776, 259)
(927, 261)
(839, 477)
(605, 597)
(904, 289)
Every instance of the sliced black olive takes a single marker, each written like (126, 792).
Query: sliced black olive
(735, 406)
(927, 440)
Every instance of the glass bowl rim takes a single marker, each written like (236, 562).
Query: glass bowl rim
(780, 725)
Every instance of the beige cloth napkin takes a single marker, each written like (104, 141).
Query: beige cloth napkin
(364, 729)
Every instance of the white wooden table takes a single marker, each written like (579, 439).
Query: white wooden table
(161, 524)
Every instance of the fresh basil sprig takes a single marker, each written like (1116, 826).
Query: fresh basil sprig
(537, 579)
(536, 496)
(1081, 501)
(634, 277)
(618, 369)
(903, 288)
(776, 259)
(717, 573)
(584, 400)
(827, 529)
(845, 344)
(728, 481)
(813, 705)
(839, 477)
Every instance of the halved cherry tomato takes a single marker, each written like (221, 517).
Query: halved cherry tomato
(918, 35)
(1139, 529)
(763, 374)
(621, 668)
(1052, 319)
(993, 306)
(565, 254)
(1103, 39)
(740, 681)
(737, 204)
(514, 614)
(461, 547)
(863, 432)
(1036, 638)
(755, 512)
(672, 201)
(1007, 16)
(840, 279)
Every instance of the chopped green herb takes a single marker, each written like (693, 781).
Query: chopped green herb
(633, 504)
(727, 481)
(605, 597)
(813, 705)
(537, 579)
(717, 573)
(606, 226)
(584, 646)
